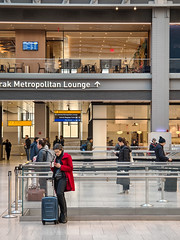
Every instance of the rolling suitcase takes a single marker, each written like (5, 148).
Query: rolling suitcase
(50, 210)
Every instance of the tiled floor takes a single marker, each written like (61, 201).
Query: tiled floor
(84, 230)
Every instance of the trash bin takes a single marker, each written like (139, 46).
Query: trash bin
(171, 184)
(27, 69)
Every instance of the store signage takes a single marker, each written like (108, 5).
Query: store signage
(20, 84)
(19, 123)
(67, 116)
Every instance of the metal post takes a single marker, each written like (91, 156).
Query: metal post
(20, 184)
(162, 200)
(16, 192)
(147, 204)
(9, 197)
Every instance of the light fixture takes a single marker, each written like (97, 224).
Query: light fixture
(139, 132)
(135, 124)
(117, 8)
(135, 8)
(119, 132)
(178, 132)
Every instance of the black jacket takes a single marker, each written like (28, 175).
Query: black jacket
(28, 143)
(160, 155)
(124, 154)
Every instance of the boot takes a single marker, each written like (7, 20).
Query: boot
(63, 208)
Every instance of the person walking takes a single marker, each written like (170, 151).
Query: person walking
(34, 148)
(27, 145)
(62, 168)
(8, 146)
(123, 156)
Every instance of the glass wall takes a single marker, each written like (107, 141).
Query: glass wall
(99, 51)
(174, 122)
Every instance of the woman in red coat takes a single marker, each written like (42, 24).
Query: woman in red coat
(63, 178)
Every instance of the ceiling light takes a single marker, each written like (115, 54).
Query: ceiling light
(139, 132)
(119, 132)
(178, 132)
(135, 8)
(117, 8)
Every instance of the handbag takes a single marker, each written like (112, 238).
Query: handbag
(58, 175)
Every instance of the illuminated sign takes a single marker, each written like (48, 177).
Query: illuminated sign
(67, 116)
(19, 123)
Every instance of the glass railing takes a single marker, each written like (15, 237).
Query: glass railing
(67, 2)
(74, 66)
(153, 189)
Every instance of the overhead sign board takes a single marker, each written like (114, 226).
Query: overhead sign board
(19, 123)
(67, 116)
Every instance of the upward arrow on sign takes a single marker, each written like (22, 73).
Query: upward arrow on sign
(97, 84)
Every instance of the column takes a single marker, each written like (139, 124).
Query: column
(40, 120)
(99, 126)
(160, 70)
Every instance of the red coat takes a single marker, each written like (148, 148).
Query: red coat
(67, 167)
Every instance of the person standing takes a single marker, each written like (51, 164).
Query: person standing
(56, 141)
(89, 144)
(123, 156)
(159, 151)
(8, 146)
(62, 168)
(42, 157)
(153, 145)
(27, 145)
(160, 156)
(61, 140)
(34, 148)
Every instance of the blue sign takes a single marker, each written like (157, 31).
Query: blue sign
(30, 46)
(67, 120)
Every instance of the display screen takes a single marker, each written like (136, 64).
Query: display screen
(30, 46)
(67, 116)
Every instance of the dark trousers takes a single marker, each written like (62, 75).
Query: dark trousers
(27, 153)
(8, 154)
(60, 187)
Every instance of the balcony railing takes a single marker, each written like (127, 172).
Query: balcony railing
(72, 2)
(74, 66)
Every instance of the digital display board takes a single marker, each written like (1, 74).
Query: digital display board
(30, 46)
(67, 116)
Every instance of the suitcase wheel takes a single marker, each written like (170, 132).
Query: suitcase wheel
(56, 222)
(43, 222)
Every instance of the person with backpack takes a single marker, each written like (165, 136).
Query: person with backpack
(62, 169)
(42, 157)
(34, 148)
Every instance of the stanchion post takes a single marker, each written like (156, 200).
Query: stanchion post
(9, 197)
(16, 211)
(146, 204)
(20, 184)
(162, 200)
